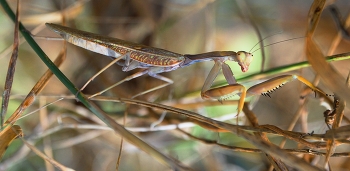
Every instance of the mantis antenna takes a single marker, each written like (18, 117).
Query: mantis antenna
(264, 39)
(277, 42)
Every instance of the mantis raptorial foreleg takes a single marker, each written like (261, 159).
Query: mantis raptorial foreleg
(210, 78)
(224, 92)
(264, 88)
(226, 70)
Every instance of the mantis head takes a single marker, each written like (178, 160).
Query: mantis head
(244, 59)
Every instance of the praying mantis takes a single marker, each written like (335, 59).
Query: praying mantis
(156, 60)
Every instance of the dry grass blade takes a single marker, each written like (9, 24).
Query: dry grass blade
(43, 156)
(250, 150)
(34, 31)
(340, 106)
(38, 87)
(45, 123)
(121, 140)
(214, 142)
(314, 15)
(7, 135)
(276, 163)
(338, 38)
(293, 136)
(55, 17)
(11, 70)
(343, 33)
(341, 133)
(276, 152)
(85, 137)
(329, 75)
(196, 105)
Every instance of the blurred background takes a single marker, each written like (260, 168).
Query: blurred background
(181, 26)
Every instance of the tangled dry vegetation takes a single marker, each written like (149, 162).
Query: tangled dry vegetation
(47, 123)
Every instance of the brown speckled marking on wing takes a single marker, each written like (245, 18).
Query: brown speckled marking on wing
(155, 59)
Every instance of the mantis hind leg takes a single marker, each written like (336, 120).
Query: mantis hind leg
(165, 79)
(138, 74)
(98, 73)
(116, 60)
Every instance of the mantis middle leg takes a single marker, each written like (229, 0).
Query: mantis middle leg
(138, 74)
